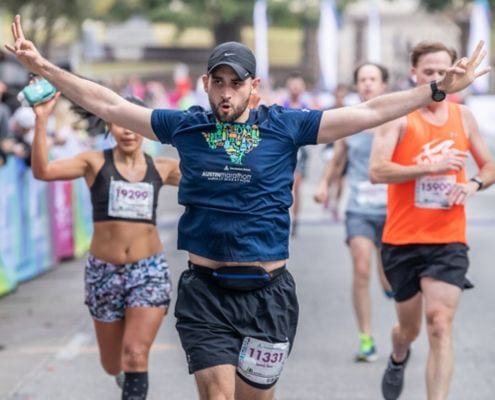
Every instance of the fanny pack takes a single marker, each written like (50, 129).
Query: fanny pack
(242, 278)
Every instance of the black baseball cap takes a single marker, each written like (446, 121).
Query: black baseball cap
(235, 55)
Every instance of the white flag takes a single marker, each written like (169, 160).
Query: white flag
(261, 40)
(374, 36)
(480, 30)
(328, 49)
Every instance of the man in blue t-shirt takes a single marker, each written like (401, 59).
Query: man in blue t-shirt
(236, 308)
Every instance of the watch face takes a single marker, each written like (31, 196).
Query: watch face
(438, 95)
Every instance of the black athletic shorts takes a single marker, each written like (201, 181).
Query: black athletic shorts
(405, 265)
(213, 321)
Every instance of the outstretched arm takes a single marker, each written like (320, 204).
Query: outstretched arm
(55, 170)
(93, 97)
(340, 122)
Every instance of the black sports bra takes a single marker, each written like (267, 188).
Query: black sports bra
(115, 198)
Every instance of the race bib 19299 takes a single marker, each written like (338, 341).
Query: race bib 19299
(133, 200)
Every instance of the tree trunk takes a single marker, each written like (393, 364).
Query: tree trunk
(227, 31)
(309, 63)
(463, 24)
(359, 53)
(47, 43)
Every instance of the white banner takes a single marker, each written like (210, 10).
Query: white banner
(480, 30)
(261, 40)
(328, 48)
(374, 34)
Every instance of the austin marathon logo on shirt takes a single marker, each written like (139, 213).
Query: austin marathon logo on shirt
(237, 140)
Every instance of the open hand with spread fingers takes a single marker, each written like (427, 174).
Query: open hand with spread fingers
(464, 71)
(23, 49)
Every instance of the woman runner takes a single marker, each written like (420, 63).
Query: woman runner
(127, 282)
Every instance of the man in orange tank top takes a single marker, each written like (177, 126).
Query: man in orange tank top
(422, 157)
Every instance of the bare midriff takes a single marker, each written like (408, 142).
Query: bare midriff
(121, 242)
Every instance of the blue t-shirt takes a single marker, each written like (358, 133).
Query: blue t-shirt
(236, 179)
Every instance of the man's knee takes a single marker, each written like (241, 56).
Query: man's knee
(439, 325)
(246, 390)
(362, 272)
(409, 332)
(216, 391)
(216, 383)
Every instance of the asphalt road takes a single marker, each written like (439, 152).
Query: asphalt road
(48, 349)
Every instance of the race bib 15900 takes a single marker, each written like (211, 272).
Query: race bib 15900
(433, 191)
(133, 200)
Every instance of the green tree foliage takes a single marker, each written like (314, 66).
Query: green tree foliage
(459, 12)
(43, 20)
(224, 17)
(441, 5)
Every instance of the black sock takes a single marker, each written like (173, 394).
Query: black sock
(135, 386)
(402, 362)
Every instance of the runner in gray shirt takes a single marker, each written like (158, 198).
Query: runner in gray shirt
(365, 210)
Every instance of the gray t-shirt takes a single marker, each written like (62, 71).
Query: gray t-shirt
(364, 197)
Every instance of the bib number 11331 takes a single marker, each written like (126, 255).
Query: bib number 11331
(262, 362)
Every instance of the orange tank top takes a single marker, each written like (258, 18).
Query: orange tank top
(417, 211)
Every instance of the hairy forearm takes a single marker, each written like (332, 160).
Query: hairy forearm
(91, 96)
(341, 122)
(391, 106)
(390, 172)
(487, 174)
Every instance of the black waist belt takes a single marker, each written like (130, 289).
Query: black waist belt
(244, 278)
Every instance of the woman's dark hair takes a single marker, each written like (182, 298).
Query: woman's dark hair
(95, 124)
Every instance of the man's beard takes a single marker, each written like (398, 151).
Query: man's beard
(233, 116)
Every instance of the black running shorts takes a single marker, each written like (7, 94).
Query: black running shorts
(213, 321)
(405, 265)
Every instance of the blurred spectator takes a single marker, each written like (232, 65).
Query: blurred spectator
(65, 141)
(201, 97)
(297, 97)
(4, 113)
(19, 141)
(182, 97)
(135, 87)
(156, 95)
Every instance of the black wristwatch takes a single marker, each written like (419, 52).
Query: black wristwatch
(478, 180)
(436, 93)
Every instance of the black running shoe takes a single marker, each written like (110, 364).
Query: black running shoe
(393, 378)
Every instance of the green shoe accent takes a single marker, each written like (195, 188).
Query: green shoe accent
(367, 350)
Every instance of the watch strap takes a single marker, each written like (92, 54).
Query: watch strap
(478, 181)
